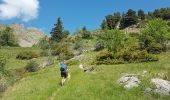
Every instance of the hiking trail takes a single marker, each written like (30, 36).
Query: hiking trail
(55, 93)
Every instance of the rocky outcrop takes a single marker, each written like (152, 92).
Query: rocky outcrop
(25, 37)
(162, 86)
(129, 81)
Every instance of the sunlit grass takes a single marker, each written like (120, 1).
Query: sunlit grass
(100, 85)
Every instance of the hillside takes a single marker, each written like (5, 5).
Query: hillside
(25, 37)
(127, 59)
(99, 85)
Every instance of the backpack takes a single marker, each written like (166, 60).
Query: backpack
(63, 67)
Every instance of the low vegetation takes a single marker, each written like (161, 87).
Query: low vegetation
(32, 66)
(124, 56)
(27, 55)
(7, 38)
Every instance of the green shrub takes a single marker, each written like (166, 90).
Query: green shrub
(44, 43)
(113, 40)
(83, 33)
(156, 32)
(105, 55)
(26, 55)
(144, 56)
(7, 38)
(124, 56)
(63, 51)
(32, 66)
(131, 43)
(155, 48)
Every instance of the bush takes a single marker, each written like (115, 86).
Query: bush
(32, 66)
(113, 40)
(155, 48)
(131, 43)
(156, 32)
(7, 38)
(63, 51)
(144, 56)
(84, 33)
(26, 55)
(124, 56)
(44, 43)
(106, 57)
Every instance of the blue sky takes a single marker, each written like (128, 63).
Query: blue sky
(78, 13)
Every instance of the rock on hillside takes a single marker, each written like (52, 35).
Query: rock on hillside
(26, 37)
(129, 81)
(162, 86)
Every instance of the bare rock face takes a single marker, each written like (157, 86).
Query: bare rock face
(26, 37)
(162, 86)
(129, 81)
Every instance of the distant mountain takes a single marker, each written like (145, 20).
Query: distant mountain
(26, 37)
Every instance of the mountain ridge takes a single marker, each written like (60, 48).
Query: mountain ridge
(26, 37)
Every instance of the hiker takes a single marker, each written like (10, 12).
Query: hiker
(64, 71)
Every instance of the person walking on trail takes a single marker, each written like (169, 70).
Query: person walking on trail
(64, 72)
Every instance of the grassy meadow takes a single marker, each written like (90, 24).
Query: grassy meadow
(100, 85)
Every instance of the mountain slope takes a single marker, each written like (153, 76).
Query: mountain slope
(100, 85)
(25, 37)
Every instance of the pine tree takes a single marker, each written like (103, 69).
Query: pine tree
(141, 14)
(104, 25)
(129, 19)
(110, 22)
(56, 33)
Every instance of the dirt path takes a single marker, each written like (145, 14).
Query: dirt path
(55, 93)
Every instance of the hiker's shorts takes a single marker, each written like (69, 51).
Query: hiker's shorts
(64, 74)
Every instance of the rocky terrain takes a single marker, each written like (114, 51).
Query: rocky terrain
(26, 37)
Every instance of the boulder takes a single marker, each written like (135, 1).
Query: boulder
(162, 86)
(129, 81)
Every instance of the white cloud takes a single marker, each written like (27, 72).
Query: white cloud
(23, 9)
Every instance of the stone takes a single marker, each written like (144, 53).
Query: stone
(162, 86)
(129, 81)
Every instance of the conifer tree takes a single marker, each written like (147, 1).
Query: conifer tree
(56, 33)
(141, 14)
